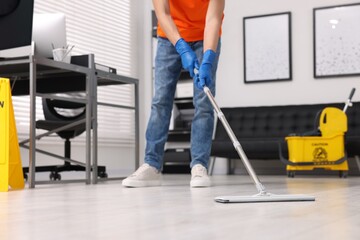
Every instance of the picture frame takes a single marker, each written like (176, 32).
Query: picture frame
(267, 48)
(336, 41)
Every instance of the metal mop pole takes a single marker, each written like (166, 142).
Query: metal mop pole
(348, 102)
(262, 196)
(235, 142)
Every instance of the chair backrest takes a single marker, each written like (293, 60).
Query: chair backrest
(60, 110)
(59, 113)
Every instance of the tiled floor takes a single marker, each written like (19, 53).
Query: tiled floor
(174, 211)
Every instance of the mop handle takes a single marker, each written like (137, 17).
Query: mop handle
(235, 142)
(348, 102)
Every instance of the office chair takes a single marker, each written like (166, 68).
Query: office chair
(59, 113)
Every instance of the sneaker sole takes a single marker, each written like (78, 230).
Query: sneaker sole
(136, 184)
(200, 184)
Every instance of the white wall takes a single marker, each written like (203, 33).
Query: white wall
(231, 90)
(144, 8)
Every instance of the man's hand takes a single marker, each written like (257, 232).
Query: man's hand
(205, 72)
(188, 57)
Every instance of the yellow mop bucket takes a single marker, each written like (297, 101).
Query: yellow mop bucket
(326, 151)
(316, 150)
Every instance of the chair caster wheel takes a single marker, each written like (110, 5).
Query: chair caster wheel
(55, 176)
(102, 175)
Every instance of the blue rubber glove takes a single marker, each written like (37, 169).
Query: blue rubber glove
(188, 57)
(205, 71)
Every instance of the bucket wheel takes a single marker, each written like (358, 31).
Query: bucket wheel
(291, 174)
(343, 174)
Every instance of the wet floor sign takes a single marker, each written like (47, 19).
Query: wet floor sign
(11, 174)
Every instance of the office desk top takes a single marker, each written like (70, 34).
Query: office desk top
(52, 79)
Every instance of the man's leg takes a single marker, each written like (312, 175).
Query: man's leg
(202, 127)
(167, 70)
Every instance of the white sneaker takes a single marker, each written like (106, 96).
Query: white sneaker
(199, 176)
(145, 176)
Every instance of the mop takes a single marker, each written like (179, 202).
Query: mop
(263, 195)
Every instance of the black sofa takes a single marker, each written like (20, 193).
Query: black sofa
(260, 129)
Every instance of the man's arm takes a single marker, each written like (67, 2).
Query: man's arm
(162, 11)
(213, 24)
(188, 57)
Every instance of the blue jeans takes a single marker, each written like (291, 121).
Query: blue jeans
(167, 71)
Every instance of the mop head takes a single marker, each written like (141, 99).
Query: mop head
(264, 197)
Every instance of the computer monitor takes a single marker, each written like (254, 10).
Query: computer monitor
(15, 25)
(49, 31)
(46, 30)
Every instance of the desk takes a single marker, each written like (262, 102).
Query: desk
(38, 76)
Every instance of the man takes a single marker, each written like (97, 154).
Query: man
(188, 34)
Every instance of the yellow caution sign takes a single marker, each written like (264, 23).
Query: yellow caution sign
(11, 173)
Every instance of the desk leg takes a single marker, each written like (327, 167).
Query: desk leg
(32, 130)
(136, 126)
(95, 131)
(88, 128)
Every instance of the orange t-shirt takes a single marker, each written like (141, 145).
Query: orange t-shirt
(189, 17)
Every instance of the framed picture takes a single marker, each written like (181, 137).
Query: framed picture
(337, 41)
(267, 48)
